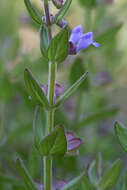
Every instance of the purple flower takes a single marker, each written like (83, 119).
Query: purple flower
(56, 184)
(79, 41)
(51, 18)
(58, 89)
(73, 143)
(62, 23)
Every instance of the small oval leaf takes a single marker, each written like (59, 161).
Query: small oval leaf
(55, 143)
(58, 47)
(34, 89)
(44, 41)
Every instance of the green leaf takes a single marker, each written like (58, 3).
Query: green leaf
(121, 133)
(108, 34)
(44, 41)
(86, 184)
(34, 89)
(88, 3)
(111, 177)
(33, 13)
(62, 11)
(93, 174)
(71, 90)
(58, 47)
(73, 182)
(96, 117)
(30, 185)
(55, 143)
(78, 69)
(99, 165)
(33, 163)
(39, 123)
(18, 187)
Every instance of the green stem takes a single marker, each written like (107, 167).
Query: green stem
(50, 124)
(47, 172)
(50, 119)
(50, 114)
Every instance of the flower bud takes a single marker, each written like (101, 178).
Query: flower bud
(73, 143)
(51, 18)
(58, 3)
(62, 23)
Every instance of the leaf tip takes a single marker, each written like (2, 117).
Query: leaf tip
(26, 70)
(115, 124)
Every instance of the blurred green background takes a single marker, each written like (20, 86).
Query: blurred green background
(90, 113)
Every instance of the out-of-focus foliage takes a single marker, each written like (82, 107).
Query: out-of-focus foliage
(91, 112)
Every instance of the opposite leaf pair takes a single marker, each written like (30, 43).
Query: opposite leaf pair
(61, 45)
(38, 95)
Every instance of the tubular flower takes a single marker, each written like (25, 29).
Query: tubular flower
(73, 143)
(79, 41)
